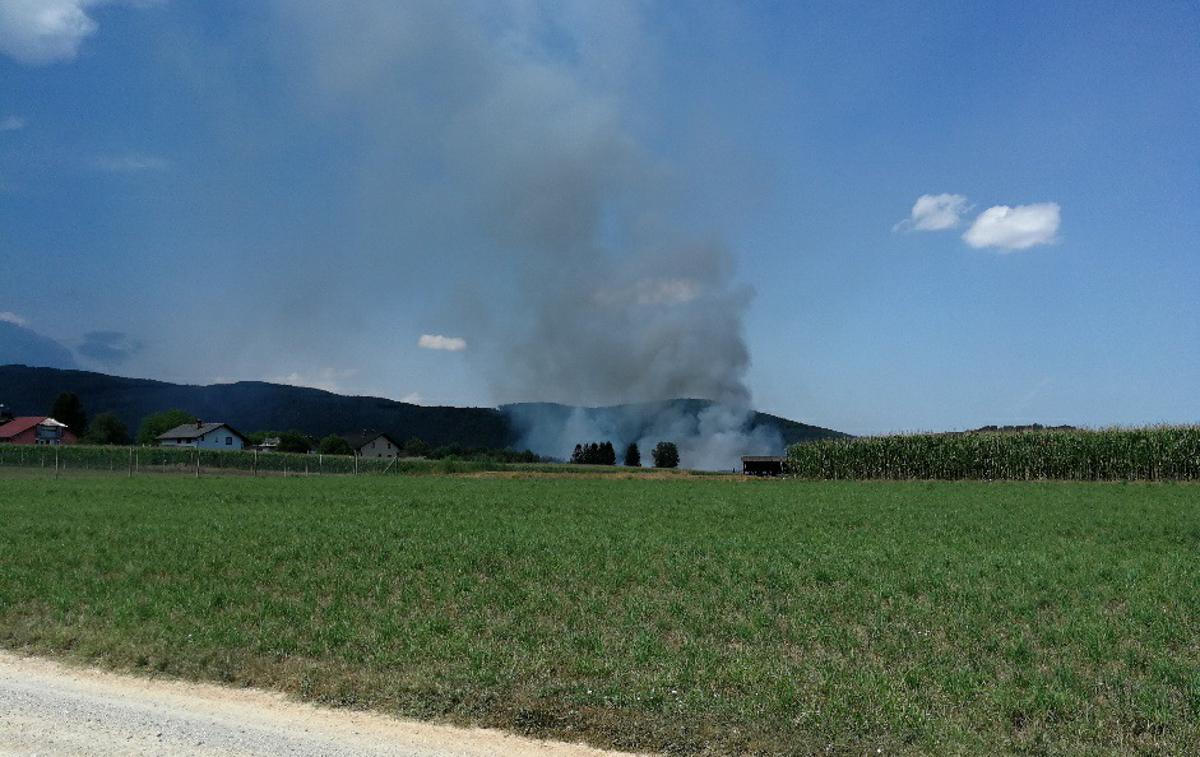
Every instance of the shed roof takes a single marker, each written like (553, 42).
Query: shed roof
(763, 458)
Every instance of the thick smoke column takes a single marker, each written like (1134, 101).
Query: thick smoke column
(603, 297)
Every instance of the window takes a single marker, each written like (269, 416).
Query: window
(229, 441)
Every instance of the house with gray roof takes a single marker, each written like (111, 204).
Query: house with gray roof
(204, 435)
(373, 444)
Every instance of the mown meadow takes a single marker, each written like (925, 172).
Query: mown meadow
(680, 615)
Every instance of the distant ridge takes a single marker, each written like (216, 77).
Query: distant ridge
(258, 405)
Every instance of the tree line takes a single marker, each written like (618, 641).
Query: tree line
(664, 454)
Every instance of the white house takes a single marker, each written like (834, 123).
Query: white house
(204, 436)
(373, 444)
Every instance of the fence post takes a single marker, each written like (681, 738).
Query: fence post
(356, 463)
(56, 461)
(197, 461)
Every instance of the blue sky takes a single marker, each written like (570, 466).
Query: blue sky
(295, 191)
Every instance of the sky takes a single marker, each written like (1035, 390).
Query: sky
(870, 217)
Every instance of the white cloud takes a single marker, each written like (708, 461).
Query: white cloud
(413, 398)
(439, 342)
(41, 32)
(132, 163)
(12, 123)
(1015, 228)
(8, 316)
(934, 213)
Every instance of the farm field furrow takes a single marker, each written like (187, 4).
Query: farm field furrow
(679, 615)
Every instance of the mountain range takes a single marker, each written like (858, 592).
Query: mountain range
(257, 405)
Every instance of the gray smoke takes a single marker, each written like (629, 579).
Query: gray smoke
(584, 284)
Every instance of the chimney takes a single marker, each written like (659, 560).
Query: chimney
(199, 423)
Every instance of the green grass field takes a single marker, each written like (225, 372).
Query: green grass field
(684, 615)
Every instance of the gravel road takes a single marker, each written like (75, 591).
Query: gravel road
(49, 708)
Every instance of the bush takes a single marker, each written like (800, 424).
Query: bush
(335, 445)
(107, 429)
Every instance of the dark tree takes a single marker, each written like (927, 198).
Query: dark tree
(106, 428)
(594, 453)
(666, 455)
(160, 423)
(335, 445)
(69, 410)
(415, 447)
(633, 456)
(608, 455)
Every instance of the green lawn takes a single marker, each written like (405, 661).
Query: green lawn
(684, 615)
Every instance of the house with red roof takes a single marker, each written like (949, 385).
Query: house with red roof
(36, 429)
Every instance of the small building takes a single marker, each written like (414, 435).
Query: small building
(269, 444)
(373, 444)
(762, 465)
(36, 429)
(204, 436)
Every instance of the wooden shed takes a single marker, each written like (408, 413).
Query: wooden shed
(762, 465)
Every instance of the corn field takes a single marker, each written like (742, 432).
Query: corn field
(1149, 454)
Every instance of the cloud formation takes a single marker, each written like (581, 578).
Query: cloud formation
(12, 123)
(934, 213)
(109, 347)
(1014, 228)
(439, 342)
(8, 316)
(20, 345)
(40, 32)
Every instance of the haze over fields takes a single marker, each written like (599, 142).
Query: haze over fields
(859, 217)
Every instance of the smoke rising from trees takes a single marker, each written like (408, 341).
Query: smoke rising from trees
(579, 283)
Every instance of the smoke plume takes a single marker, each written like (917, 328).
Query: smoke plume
(578, 280)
